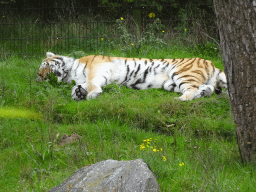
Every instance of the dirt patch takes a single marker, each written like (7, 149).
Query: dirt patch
(65, 139)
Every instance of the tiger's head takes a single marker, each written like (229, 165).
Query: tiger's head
(59, 65)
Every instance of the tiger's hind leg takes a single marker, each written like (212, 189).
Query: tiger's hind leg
(195, 93)
(188, 94)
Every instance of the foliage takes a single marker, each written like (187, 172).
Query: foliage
(131, 41)
(189, 146)
(210, 49)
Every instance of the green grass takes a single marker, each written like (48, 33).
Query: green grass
(192, 147)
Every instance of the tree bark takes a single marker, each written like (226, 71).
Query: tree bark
(236, 21)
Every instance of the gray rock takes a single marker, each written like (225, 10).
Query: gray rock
(111, 175)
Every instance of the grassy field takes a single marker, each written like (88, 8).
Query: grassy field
(190, 146)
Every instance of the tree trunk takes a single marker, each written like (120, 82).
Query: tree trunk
(236, 20)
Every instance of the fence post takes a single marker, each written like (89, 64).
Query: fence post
(137, 13)
(47, 8)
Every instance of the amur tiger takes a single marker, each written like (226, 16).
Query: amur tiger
(193, 77)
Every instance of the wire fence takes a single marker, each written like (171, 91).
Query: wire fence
(35, 28)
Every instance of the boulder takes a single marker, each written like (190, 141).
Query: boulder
(111, 175)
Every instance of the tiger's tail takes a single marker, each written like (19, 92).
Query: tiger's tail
(221, 83)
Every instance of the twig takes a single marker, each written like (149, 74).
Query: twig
(211, 38)
(31, 158)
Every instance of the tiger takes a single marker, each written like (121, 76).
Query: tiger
(192, 77)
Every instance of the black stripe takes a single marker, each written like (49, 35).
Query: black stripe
(199, 73)
(197, 80)
(155, 69)
(150, 69)
(182, 84)
(66, 74)
(137, 71)
(106, 81)
(194, 86)
(84, 73)
(126, 76)
(163, 68)
(140, 81)
(134, 84)
(93, 57)
(145, 75)
(174, 74)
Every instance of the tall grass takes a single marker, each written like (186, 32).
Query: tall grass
(190, 146)
(29, 35)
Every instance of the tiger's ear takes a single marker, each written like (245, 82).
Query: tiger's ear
(49, 54)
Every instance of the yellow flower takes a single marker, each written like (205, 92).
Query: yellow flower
(154, 150)
(164, 158)
(163, 31)
(181, 164)
(131, 43)
(101, 39)
(122, 18)
(151, 15)
(142, 147)
(185, 30)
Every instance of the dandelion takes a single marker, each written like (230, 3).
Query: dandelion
(131, 43)
(163, 31)
(142, 146)
(101, 39)
(185, 30)
(181, 164)
(122, 18)
(164, 158)
(154, 150)
(151, 15)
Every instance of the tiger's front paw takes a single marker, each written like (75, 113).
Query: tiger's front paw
(79, 93)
